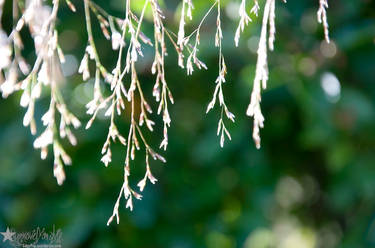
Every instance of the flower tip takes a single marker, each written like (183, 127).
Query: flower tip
(109, 220)
(88, 125)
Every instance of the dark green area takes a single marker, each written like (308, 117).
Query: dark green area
(312, 184)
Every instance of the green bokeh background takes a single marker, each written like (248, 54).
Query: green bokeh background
(312, 184)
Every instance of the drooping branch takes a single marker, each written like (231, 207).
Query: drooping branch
(128, 41)
(322, 17)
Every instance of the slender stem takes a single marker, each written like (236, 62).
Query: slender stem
(203, 19)
(141, 18)
(91, 38)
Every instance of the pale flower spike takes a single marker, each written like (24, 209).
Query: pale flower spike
(45, 74)
(123, 95)
(218, 93)
(244, 20)
(322, 17)
(261, 73)
(127, 40)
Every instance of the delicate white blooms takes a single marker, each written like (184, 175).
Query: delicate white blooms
(9, 86)
(84, 67)
(36, 91)
(244, 20)
(5, 51)
(74, 121)
(128, 193)
(255, 8)
(46, 71)
(58, 172)
(220, 80)
(90, 51)
(60, 154)
(125, 96)
(25, 99)
(117, 40)
(161, 91)
(48, 118)
(44, 74)
(45, 139)
(122, 95)
(28, 117)
(272, 27)
(188, 5)
(181, 29)
(31, 10)
(192, 58)
(60, 157)
(97, 102)
(322, 17)
(107, 158)
(141, 184)
(261, 73)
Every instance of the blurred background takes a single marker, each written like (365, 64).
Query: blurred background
(312, 184)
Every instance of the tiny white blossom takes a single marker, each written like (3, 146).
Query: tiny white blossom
(90, 51)
(76, 123)
(7, 87)
(43, 75)
(25, 99)
(117, 40)
(106, 159)
(45, 139)
(58, 172)
(5, 51)
(129, 204)
(37, 90)
(28, 115)
(142, 184)
(47, 118)
(84, 68)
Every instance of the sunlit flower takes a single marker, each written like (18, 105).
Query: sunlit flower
(45, 139)
(117, 40)
(5, 51)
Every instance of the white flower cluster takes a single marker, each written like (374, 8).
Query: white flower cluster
(45, 73)
(44, 77)
(261, 73)
(122, 95)
(220, 80)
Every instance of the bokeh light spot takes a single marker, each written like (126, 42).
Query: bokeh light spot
(331, 87)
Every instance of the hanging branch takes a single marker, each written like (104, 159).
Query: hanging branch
(322, 17)
(127, 41)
